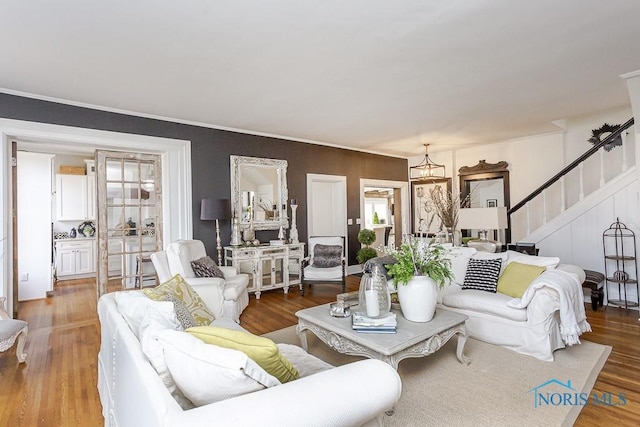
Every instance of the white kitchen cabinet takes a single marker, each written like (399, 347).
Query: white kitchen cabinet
(75, 257)
(75, 197)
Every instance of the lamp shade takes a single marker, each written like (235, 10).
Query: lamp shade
(212, 209)
(483, 218)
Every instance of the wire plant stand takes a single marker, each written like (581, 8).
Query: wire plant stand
(620, 264)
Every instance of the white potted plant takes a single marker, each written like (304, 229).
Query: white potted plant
(421, 267)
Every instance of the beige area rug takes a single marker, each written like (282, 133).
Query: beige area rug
(494, 390)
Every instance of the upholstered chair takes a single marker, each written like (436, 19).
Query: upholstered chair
(229, 295)
(10, 330)
(326, 262)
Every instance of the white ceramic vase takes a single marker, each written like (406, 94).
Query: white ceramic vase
(418, 298)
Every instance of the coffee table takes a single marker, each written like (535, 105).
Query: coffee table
(411, 340)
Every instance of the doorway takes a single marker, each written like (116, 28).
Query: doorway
(327, 206)
(389, 200)
(175, 156)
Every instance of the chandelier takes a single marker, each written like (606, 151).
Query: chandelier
(427, 168)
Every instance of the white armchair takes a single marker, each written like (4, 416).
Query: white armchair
(226, 297)
(326, 268)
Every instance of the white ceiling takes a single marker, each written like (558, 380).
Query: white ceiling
(376, 75)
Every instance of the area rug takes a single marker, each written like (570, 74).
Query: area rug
(498, 388)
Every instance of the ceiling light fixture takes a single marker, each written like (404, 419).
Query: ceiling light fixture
(148, 183)
(427, 168)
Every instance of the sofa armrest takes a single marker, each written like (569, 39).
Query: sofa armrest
(228, 271)
(328, 398)
(543, 306)
(211, 290)
(570, 268)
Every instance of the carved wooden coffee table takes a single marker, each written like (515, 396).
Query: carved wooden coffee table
(411, 340)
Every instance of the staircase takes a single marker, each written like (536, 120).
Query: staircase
(583, 185)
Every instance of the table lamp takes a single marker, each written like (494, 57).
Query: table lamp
(483, 219)
(216, 209)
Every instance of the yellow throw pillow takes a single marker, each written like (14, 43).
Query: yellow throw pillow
(181, 290)
(261, 350)
(517, 277)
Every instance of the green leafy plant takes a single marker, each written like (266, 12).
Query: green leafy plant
(376, 219)
(366, 237)
(416, 258)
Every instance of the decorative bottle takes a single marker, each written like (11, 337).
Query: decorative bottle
(373, 298)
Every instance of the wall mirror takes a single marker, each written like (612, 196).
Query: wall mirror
(487, 185)
(259, 192)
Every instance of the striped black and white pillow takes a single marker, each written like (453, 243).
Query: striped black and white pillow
(482, 274)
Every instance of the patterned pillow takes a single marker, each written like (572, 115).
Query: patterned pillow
(482, 274)
(206, 267)
(327, 256)
(182, 312)
(177, 287)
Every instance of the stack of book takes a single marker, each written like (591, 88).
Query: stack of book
(382, 325)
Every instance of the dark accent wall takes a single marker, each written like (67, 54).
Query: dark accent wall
(210, 150)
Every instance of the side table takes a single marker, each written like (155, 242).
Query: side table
(595, 281)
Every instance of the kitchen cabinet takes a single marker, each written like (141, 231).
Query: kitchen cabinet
(75, 197)
(75, 257)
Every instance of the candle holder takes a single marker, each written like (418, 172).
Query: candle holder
(293, 233)
(374, 300)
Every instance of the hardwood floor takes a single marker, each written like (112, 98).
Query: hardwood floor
(57, 386)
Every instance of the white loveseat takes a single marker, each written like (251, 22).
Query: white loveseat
(132, 393)
(530, 325)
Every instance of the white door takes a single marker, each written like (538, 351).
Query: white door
(327, 205)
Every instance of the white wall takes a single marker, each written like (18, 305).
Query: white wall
(34, 225)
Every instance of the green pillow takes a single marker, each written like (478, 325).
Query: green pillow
(261, 350)
(517, 277)
(181, 290)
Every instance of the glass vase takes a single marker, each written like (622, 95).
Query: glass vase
(373, 298)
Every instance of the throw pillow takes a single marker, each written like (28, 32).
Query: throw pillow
(182, 312)
(327, 256)
(260, 349)
(179, 288)
(208, 373)
(206, 267)
(549, 262)
(482, 274)
(517, 277)
(132, 305)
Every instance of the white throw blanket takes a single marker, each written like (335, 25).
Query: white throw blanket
(573, 319)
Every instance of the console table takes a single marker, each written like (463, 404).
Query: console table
(268, 266)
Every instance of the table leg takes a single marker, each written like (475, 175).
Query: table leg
(462, 340)
(302, 335)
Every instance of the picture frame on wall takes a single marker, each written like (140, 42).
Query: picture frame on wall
(424, 220)
(492, 203)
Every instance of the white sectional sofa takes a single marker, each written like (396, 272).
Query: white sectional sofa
(133, 394)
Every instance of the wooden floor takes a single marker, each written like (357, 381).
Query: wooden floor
(57, 386)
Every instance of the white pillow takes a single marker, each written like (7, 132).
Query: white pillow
(207, 373)
(539, 261)
(155, 319)
(459, 259)
(488, 255)
(132, 305)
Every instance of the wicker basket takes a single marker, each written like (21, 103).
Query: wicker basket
(72, 170)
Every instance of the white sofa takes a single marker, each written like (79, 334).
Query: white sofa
(227, 297)
(133, 394)
(530, 327)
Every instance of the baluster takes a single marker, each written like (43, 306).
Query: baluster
(544, 206)
(528, 219)
(581, 169)
(625, 165)
(601, 167)
(563, 202)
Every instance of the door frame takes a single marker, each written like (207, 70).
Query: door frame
(403, 186)
(332, 179)
(176, 180)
